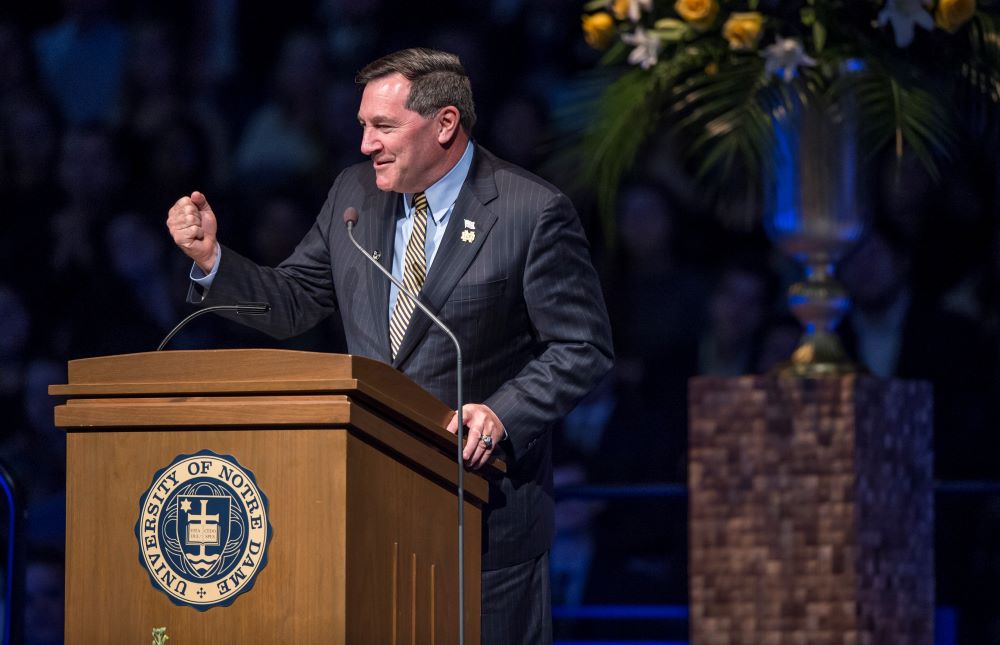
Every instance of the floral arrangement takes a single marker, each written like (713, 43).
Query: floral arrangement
(712, 71)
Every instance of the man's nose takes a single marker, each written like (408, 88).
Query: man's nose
(369, 143)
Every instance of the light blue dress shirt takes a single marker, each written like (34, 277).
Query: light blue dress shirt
(441, 197)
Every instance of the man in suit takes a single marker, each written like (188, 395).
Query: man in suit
(497, 253)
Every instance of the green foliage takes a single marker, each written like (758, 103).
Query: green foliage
(901, 115)
(715, 99)
(723, 120)
(981, 72)
(628, 112)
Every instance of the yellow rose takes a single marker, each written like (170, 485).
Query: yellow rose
(700, 14)
(620, 8)
(952, 14)
(743, 30)
(598, 29)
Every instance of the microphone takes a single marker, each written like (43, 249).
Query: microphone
(247, 308)
(350, 219)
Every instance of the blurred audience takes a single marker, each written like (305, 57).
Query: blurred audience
(737, 310)
(81, 61)
(518, 130)
(575, 545)
(15, 328)
(17, 64)
(778, 339)
(44, 592)
(29, 148)
(281, 143)
(658, 301)
(110, 111)
(896, 332)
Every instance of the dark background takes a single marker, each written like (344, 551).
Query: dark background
(110, 111)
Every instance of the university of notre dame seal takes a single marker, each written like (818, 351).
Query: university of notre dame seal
(203, 530)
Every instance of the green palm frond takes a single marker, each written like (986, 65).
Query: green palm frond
(723, 116)
(900, 115)
(984, 41)
(626, 114)
(980, 96)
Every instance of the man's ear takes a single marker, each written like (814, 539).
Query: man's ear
(448, 123)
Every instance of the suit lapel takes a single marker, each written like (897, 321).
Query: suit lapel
(454, 255)
(380, 214)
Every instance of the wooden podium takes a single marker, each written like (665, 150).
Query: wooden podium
(356, 469)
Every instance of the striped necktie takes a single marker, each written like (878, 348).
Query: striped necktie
(414, 271)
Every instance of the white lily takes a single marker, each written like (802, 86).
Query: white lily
(785, 57)
(635, 8)
(647, 48)
(904, 14)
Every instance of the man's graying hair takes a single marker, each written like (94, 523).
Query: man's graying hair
(437, 80)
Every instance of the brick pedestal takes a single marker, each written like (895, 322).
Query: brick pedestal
(811, 511)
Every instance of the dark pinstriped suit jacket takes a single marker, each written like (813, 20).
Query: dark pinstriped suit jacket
(522, 298)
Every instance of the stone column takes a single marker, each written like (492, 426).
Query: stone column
(811, 511)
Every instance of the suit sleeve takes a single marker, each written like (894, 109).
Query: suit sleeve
(570, 321)
(300, 290)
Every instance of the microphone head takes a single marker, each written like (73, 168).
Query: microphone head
(351, 216)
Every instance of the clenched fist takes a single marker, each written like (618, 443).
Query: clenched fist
(192, 224)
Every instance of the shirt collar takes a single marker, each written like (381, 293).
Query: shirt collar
(444, 192)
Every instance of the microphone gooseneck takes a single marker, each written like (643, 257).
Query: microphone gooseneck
(350, 219)
(245, 309)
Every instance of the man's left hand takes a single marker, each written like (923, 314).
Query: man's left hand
(481, 422)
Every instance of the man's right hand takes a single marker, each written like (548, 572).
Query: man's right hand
(192, 224)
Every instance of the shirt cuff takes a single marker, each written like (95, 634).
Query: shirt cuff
(202, 279)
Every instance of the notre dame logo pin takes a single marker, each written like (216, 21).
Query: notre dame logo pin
(203, 530)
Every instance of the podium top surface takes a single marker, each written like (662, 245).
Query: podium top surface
(231, 371)
(215, 365)
(258, 371)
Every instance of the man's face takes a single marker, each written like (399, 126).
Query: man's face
(403, 145)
